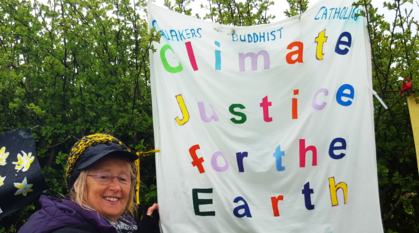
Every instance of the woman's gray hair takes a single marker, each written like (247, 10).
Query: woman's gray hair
(79, 191)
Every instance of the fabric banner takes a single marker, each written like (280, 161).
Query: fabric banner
(266, 128)
(21, 178)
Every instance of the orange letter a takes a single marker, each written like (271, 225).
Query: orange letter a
(298, 52)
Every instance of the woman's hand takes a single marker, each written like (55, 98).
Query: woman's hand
(150, 210)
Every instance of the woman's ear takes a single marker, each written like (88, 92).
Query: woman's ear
(76, 186)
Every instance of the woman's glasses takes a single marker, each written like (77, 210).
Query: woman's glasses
(106, 178)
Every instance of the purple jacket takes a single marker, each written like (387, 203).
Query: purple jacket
(56, 214)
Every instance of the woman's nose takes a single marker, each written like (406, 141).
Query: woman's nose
(115, 185)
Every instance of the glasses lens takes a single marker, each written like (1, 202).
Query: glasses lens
(124, 179)
(103, 178)
(106, 178)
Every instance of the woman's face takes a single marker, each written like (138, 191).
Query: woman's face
(109, 200)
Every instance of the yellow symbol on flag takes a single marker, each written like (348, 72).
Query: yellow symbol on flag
(3, 156)
(414, 118)
(2, 181)
(24, 161)
(23, 188)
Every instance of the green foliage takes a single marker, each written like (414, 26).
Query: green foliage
(230, 12)
(296, 7)
(72, 68)
(394, 48)
(148, 195)
(238, 13)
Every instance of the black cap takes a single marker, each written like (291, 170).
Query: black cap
(94, 153)
(90, 149)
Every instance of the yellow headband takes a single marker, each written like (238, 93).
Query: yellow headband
(84, 143)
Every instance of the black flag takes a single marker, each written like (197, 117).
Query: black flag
(21, 178)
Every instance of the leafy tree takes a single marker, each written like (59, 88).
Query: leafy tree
(395, 55)
(72, 68)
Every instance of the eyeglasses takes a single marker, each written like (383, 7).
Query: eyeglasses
(106, 178)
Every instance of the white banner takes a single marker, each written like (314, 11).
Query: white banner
(266, 128)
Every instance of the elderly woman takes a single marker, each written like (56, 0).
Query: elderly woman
(101, 179)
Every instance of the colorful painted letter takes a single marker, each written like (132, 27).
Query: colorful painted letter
(265, 105)
(215, 164)
(278, 155)
(184, 111)
(240, 156)
(217, 57)
(303, 152)
(298, 52)
(341, 93)
(239, 114)
(191, 55)
(314, 103)
(197, 202)
(295, 106)
(333, 147)
(204, 116)
(196, 162)
(274, 201)
(244, 207)
(334, 188)
(254, 60)
(166, 65)
(307, 191)
(320, 40)
(348, 43)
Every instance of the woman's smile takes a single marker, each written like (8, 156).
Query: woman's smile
(106, 193)
(111, 199)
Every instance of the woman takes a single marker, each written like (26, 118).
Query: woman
(101, 179)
